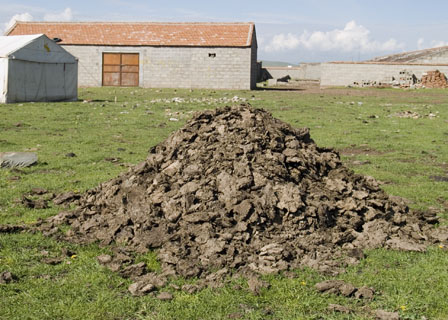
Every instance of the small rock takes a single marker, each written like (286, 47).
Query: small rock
(122, 258)
(134, 289)
(165, 296)
(174, 286)
(66, 198)
(347, 289)
(148, 288)
(140, 288)
(338, 308)
(385, 315)
(255, 285)
(329, 285)
(41, 204)
(134, 270)
(6, 277)
(114, 266)
(34, 204)
(104, 258)
(190, 288)
(356, 253)
(405, 245)
(39, 191)
(365, 293)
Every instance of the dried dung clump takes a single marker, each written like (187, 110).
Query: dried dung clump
(434, 79)
(236, 188)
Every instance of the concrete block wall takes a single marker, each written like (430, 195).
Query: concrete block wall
(311, 71)
(344, 74)
(89, 64)
(305, 71)
(280, 72)
(174, 67)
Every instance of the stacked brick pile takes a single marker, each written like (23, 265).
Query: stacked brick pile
(434, 79)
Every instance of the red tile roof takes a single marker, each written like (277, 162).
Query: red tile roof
(142, 34)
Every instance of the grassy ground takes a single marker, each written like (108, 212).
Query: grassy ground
(114, 128)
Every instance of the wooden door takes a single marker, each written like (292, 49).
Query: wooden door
(120, 69)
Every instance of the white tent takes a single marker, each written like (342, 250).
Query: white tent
(35, 68)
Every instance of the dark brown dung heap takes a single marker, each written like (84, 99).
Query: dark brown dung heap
(236, 188)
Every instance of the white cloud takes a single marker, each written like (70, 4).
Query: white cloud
(65, 15)
(420, 42)
(282, 42)
(18, 17)
(435, 44)
(352, 38)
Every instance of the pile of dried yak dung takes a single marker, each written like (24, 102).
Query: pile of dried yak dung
(236, 188)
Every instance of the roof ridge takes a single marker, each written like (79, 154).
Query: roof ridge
(203, 34)
(132, 22)
(10, 29)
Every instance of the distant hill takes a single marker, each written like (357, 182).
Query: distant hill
(267, 63)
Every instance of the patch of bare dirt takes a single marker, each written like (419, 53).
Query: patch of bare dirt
(236, 189)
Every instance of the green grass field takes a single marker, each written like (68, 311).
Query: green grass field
(114, 128)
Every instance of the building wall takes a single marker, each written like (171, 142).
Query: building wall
(174, 67)
(344, 74)
(305, 71)
(311, 71)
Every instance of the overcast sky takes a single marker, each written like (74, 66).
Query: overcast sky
(287, 30)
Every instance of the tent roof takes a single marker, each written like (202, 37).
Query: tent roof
(10, 44)
(36, 48)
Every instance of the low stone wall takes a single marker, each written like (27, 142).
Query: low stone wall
(346, 74)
